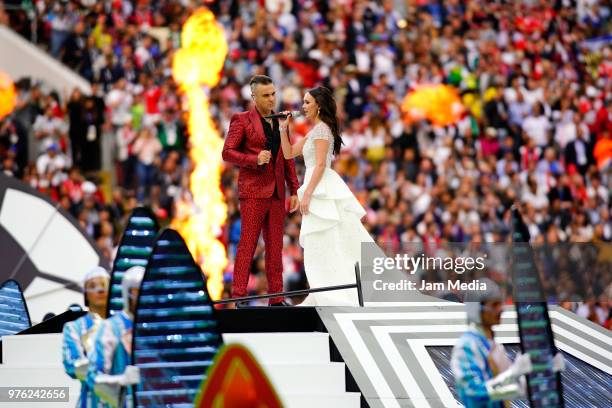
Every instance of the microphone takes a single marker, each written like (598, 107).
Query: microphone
(283, 115)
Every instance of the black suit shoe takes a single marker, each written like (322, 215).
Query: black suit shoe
(281, 303)
(242, 305)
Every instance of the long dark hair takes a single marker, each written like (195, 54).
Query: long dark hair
(327, 113)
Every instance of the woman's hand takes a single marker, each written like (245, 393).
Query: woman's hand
(284, 123)
(305, 203)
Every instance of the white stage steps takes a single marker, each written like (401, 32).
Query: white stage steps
(297, 364)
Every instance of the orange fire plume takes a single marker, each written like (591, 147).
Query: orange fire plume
(7, 95)
(200, 217)
(440, 104)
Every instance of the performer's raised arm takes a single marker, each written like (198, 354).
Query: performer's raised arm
(289, 151)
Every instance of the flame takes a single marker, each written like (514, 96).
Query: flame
(200, 217)
(7, 95)
(440, 104)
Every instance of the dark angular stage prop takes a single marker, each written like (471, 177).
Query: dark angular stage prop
(545, 388)
(176, 334)
(135, 247)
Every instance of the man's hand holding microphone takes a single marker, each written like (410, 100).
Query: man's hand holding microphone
(264, 157)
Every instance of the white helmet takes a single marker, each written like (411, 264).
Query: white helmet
(473, 299)
(95, 272)
(131, 279)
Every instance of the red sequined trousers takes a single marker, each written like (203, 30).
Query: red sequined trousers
(257, 215)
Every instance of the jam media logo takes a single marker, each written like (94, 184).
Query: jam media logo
(412, 264)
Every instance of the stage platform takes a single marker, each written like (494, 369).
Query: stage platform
(391, 356)
(291, 344)
(399, 354)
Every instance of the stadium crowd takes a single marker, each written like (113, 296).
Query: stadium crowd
(534, 77)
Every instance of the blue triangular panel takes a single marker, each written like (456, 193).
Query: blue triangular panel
(175, 331)
(14, 316)
(135, 247)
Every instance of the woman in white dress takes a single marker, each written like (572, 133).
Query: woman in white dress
(331, 232)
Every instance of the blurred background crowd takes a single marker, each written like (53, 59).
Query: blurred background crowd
(534, 77)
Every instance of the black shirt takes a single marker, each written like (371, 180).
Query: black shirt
(272, 136)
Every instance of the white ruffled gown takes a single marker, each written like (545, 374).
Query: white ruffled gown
(331, 232)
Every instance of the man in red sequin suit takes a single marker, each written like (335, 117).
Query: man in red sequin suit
(253, 144)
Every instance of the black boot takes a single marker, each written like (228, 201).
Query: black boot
(281, 303)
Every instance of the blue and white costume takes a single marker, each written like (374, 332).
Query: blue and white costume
(484, 375)
(78, 345)
(472, 365)
(112, 352)
(110, 373)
